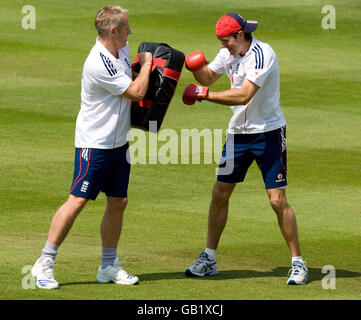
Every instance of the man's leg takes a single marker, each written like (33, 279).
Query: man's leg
(59, 228)
(218, 212)
(206, 265)
(287, 222)
(112, 222)
(64, 219)
(110, 229)
(286, 219)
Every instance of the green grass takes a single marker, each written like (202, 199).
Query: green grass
(166, 219)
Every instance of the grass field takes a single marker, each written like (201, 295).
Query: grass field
(166, 219)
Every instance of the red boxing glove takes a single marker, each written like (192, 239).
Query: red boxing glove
(193, 92)
(195, 61)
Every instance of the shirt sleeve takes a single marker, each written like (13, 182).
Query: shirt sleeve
(112, 79)
(265, 61)
(218, 65)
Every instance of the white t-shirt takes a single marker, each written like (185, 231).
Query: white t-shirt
(104, 117)
(259, 65)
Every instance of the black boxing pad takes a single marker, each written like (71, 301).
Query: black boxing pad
(166, 70)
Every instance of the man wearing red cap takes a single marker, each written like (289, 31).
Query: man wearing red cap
(256, 131)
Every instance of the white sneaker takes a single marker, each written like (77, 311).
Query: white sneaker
(116, 274)
(203, 266)
(43, 271)
(299, 274)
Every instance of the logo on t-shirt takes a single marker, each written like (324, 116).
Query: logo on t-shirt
(259, 57)
(127, 63)
(108, 65)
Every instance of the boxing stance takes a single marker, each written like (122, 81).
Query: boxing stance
(256, 131)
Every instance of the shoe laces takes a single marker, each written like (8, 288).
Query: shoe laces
(202, 257)
(119, 268)
(297, 269)
(117, 265)
(48, 268)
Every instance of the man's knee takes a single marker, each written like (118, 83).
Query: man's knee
(77, 203)
(277, 199)
(118, 204)
(222, 191)
(277, 203)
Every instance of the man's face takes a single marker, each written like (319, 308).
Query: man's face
(231, 44)
(121, 35)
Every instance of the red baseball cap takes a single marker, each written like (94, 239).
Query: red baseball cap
(232, 23)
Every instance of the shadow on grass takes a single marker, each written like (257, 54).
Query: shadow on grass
(79, 283)
(315, 274)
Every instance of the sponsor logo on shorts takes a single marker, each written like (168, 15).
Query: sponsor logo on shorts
(283, 139)
(280, 178)
(84, 154)
(84, 186)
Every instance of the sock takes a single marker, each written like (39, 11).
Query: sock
(299, 258)
(50, 250)
(108, 256)
(211, 253)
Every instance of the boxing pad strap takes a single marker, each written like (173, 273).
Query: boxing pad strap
(157, 62)
(145, 103)
(170, 73)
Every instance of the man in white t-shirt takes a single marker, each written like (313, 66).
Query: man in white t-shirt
(101, 146)
(256, 132)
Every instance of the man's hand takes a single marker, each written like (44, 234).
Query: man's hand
(193, 92)
(145, 58)
(195, 61)
(138, 88)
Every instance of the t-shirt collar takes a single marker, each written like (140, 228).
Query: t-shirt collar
(103, 48)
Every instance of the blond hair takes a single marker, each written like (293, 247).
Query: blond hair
(107, 17)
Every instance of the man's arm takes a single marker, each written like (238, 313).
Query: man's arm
(237, 96)
(138, 88)
(196, 62)
(206, 76)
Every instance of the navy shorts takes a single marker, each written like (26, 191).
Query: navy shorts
(102, 170)
(269, 151)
